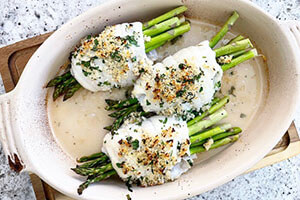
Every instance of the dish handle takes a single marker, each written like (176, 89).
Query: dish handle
(292, 27)
(7, 132)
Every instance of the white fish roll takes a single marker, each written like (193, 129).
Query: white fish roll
(112, 59)
(155, 152)
(181, 83)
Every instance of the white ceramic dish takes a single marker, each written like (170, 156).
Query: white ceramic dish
(25, 133)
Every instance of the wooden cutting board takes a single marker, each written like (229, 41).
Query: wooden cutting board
(12, 62)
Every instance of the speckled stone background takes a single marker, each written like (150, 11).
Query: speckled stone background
(21, 19)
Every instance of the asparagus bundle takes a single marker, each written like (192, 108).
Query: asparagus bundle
(203, 137)
(161, 30)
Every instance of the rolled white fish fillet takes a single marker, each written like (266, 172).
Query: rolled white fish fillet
(112, 59)
(152, 153)
(181, 83)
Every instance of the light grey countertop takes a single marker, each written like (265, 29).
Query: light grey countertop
(21, 19)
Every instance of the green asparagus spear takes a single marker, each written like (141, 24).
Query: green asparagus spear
(122, 104)
(219, 104)
(234, 47)
(164, 17)
(230, 132)
(211, 120)
(246, 56)
(58, 90)
(237, 38)
(93, 171)
(168, 35)
(59, 79)
(215, 100)
(71, 91)
(216, 144)
(164, 26)
(119, 113)
(224, 30)
(62, 88)
(90, 157)
(119, 121)
(95, 162)
(155, 46)
(238, 53)
(209, 133)
(111, 102)
(108, 128)
(91, 180)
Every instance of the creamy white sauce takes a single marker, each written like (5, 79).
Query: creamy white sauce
(149, 152)
(181, 83)
(78, 123)
(111, 59)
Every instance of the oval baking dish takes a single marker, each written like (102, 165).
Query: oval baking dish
(29, 143)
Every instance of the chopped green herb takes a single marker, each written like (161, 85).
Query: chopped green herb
(116, 56)
(131, 40)
(106, 83)
(88, 37)
(128, 197)
(161, 104)
(95, 47)
(148, 103)
(180, 93)
(133, 59)
(96, 42)
(86, 63)
(242, 115)
(127, 45)
(165, 121)
(178, 146)
(218, 84)
(85, 73)
(201, 89)
(231, 90)
(181, 66)
(190, 162)
(197, 77)
(119, 165)
(135, 144)
(128, 184)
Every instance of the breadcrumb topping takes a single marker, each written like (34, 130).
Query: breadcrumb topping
(146, 155)
(182, 83)
(117, 54)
